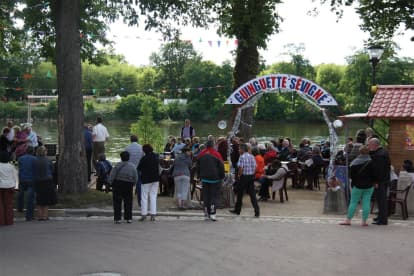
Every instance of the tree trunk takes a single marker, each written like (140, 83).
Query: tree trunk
(246, 68)
(72, 169)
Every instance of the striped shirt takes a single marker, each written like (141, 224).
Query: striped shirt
(247, 163)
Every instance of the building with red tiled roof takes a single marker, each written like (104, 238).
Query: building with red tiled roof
(393, 102)
(396, 104)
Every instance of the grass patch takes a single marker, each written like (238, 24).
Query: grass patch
(91, 198)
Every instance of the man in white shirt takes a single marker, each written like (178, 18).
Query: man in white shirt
(99, 136)
(10, 135)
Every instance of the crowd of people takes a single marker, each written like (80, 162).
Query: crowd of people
(371, 173)
(251, 162)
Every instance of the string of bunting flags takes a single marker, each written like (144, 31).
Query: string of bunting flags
(112, 90)
(211, 42)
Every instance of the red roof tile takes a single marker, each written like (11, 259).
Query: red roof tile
(393, 101)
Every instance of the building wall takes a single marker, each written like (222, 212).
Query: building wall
(399, 147)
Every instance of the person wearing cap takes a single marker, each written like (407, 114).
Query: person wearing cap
(210, 169)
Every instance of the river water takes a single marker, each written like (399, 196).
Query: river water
(264, 131)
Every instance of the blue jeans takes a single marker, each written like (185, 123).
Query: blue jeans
(27, 187)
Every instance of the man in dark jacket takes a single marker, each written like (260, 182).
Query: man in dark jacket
(211, 172)
(382, 165)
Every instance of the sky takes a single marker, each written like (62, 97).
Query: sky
(324, 39)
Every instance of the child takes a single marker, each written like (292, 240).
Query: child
(103, 169)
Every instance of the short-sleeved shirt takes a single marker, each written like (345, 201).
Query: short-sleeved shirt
(248, 163)
(100, 133)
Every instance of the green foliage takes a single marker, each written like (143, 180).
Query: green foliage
(171, 61)
(382, 129)
(52, 109)
(176, 111)
(356, 84)
(131, 107)
(8, 110)
(147, 129)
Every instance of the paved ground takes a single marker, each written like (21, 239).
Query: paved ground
(291, 238)
(192, 246)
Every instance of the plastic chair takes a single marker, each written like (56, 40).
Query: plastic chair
(282, 190)
(400, 197)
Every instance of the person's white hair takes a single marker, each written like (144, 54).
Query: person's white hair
(253, 141)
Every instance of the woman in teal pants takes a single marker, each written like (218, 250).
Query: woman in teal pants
(362, 176)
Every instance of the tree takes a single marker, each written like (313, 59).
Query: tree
(329, 77)
(148, 130)
(72, 156)
(356, 84)
(171, 61)
(251, 22)
(62, 17)
(216, 82)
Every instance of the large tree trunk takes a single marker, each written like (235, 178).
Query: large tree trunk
(72, 162)
(246, 68)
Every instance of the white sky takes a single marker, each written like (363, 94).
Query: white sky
(325, 40)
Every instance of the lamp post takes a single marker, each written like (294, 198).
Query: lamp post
(375, 52)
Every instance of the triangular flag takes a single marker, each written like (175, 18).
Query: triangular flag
(210, 43)
(227, 42)
(200, 40)
(218, 43)
(236, 42)
(49, 74)
(200, 89)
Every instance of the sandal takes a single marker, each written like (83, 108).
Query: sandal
(364, 224)
(345, 223)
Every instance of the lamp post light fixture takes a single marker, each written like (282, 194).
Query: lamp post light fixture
(375, 52)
